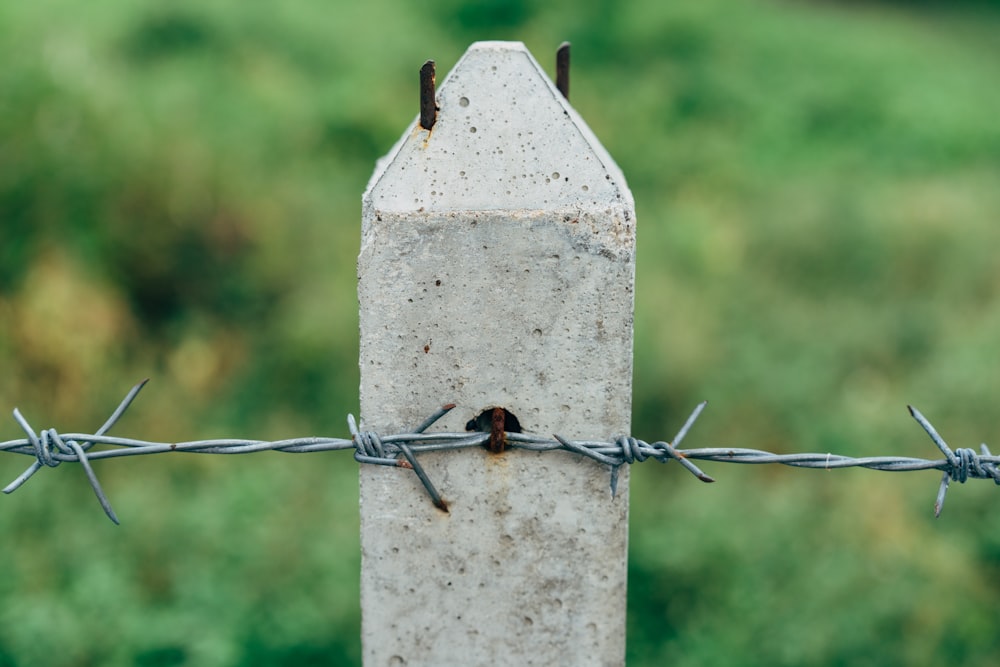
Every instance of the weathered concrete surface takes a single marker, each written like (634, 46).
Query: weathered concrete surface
(496, 269)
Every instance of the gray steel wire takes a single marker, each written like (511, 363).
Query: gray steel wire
(51, 448)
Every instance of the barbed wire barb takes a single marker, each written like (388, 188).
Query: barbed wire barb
(963, 462)
(43, 450)
(401, 450)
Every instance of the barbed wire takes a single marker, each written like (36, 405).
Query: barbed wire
(50, 448)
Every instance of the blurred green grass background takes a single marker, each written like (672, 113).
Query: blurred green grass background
(818, 192)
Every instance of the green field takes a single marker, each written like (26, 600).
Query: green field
(818, 196)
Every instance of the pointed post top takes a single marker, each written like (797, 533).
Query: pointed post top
(504, 137)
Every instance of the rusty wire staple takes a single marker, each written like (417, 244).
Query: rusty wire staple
(50, 448)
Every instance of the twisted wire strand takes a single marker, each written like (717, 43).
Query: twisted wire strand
(50, 448)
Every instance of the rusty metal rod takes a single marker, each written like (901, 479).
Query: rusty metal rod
(562, 69)
(428, 107)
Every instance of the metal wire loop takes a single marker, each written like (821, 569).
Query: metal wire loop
(367, 444)
(631, 449)
(968, 462)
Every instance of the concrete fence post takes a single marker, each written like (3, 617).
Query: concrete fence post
(496, 270)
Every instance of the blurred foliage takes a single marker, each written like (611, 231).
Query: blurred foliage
(818, 186)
